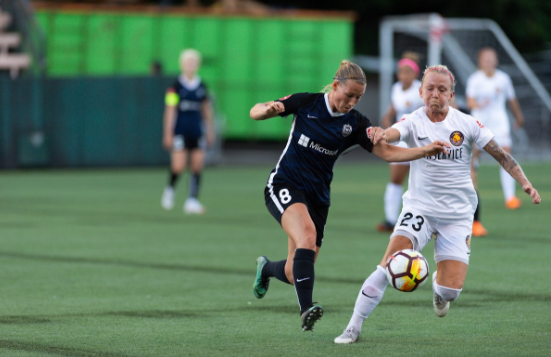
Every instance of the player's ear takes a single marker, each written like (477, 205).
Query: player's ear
(335, 84)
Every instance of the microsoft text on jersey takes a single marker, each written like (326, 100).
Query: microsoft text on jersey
(305, 141)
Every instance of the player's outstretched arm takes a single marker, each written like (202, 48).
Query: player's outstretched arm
(513, 168)
(393, 153)
(267, 110)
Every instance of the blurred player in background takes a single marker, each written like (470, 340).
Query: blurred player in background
(404, 99)
(297, 194)
(440, 200)
(188, 110)
(487, 91)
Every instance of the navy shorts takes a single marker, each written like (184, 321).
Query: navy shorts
(181, 142)
(282, 196)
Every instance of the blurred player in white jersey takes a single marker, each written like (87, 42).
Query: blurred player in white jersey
(488, 89)
(404, 99)
(440, 200)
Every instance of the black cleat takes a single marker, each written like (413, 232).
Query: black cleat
(310, 317)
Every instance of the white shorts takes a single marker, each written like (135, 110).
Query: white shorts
(502, 132)
(452, 237)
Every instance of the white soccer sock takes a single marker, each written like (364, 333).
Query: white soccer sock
(507, 184)
(447, 294)
(369, 297)
(393, 200)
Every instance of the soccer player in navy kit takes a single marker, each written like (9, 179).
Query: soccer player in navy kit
(187, 106)
(325, 126)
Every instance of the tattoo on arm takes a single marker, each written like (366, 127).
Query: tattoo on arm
(506, 161)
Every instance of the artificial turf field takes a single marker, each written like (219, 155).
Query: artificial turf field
(90, 265)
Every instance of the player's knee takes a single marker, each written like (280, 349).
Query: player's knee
(449, 294)
(308, 238)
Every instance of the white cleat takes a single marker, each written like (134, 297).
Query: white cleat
(193, 206)
(167, 201)
(350, 335)
(441, 307)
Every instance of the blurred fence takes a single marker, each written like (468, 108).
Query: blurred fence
(245, 59)
(79, 122)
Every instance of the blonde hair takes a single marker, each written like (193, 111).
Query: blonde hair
(347, 71)
(190, 53)
(440, 68)
(414, 56)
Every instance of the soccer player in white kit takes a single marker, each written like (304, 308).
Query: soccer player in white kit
(488, 89)
(440, 200)
(404, 99)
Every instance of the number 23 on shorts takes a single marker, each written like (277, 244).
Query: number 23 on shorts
(413, 223)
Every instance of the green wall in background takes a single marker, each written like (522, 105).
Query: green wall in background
(245, 60)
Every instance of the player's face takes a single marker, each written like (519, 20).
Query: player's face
(436, 91)
(487, 60)
(406, 75)
(190, 66)
(346, 95)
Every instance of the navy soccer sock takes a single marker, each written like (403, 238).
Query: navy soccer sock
(303, 273)
(275, 269)
(173, 178)
(194, 185)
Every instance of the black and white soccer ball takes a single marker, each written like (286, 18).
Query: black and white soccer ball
(407, 270)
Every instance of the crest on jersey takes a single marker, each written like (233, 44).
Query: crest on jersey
(346, 130)
(456, 138)
(285, 97)
(468, 242)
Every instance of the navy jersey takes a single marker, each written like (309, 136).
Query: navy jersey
(189, 99)
(318, 137)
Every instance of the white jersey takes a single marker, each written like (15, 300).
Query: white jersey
(441, 185)
(491, 93)
(406, 101)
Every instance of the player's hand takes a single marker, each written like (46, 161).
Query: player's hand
(167, 142)
(436, 147)
(536, 199)
(376, 134)
(274, 108)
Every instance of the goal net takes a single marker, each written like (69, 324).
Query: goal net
(455, 43)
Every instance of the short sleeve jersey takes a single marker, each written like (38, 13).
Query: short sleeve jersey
(491, 92)
(188, 96)
(317, 139)
(441, 185)
(406, 101)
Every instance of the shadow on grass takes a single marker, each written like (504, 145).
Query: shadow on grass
(54, 350)
(160, 266)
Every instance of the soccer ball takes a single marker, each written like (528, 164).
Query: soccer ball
(407, 270)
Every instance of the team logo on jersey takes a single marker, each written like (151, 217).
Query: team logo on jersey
(468, 242)
(346, 130)
(456, 138)
(285, 97)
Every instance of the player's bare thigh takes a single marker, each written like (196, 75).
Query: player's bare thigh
(197, 160)
(301, 232)
(178, 161)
